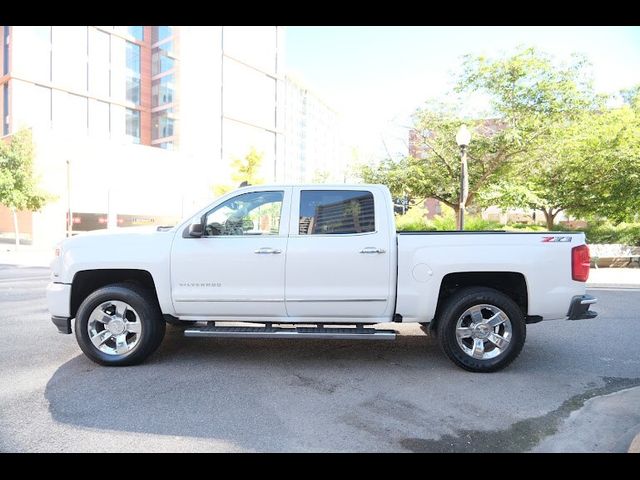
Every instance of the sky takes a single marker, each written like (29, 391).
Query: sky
(376, 76)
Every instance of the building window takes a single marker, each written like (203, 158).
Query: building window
(31, 52)
(98, 62)
(132, 128)
(162, 59)
(160, 33)
(254, 45)
(5, 50)
(165, 145)
(136, 32)
(5, 108)
(162, 91)
(249, 95)
(163, 124)
(34, 102)
(325, 212)
(69, 113)
(133, 73)
(69, 56)
(98, 118)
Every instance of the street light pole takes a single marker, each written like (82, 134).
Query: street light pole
(464, 184)
(463, 138)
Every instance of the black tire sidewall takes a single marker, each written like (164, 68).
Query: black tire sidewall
(149, 314)
(456, 306)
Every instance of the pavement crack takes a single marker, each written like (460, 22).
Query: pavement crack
(520, 436)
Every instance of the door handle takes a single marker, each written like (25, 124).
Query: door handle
(267, 251)
(372, 250)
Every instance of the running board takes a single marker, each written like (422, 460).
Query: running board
(289, 332)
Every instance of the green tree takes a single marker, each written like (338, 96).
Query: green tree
(528, 93)
(246, 169)
(589, 166)
(18, 185)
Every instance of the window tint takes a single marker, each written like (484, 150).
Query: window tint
(159, 33)
(132, 125)
(5, 52)
(162, 91)
(255, 213)
(335, 212)
(136, 31)
(133, 73)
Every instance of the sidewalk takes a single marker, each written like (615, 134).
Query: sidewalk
(614, 278)
(25, 256)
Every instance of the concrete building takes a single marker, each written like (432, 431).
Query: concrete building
(143, 120)
(314, 146)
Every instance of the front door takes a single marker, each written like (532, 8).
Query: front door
(338, 262)
(236, 269)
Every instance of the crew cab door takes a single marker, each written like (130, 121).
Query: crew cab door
(338, 256)
(236, 269)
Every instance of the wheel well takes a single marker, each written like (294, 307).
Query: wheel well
(88, 281)
(511, 284)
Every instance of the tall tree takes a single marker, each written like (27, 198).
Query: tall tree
(589, 166)
(528, 93)
(18, 185)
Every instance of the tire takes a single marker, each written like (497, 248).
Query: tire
(125, 323)
(463, 326)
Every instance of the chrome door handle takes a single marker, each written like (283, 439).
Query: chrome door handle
(267, 250)
(372, 250)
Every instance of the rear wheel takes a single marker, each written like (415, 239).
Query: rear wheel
(481, 329)
(119, 325)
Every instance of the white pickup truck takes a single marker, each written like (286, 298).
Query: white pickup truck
(316, 261)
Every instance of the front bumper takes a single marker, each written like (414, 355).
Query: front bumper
(62, 323)
(59, 303)
(579, 309)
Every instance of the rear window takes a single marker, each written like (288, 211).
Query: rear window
(336, 212)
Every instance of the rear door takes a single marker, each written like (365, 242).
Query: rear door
(338, 259)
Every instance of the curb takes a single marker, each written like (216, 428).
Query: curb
(635, 445)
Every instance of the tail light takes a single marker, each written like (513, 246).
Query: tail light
(580, 261)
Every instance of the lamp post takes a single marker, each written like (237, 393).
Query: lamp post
(463, 138)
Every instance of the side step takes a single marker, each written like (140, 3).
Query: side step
(359, 333)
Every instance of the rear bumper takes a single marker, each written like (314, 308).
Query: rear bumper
(579, 309)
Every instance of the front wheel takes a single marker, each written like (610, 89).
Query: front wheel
(481, 329)
(119, 325)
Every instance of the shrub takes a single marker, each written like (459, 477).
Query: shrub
(413, 221)
(597, 232)
(605, 232)
(446, 221)
(478, 223)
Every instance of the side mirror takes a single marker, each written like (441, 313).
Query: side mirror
(196, 230)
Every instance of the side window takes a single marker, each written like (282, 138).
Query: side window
(255, 213)
(325, 212)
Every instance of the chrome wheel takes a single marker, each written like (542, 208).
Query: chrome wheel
(114, 328)
(483, 331)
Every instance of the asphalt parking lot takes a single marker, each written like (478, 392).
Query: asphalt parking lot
(575, 387)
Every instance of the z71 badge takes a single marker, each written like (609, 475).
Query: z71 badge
(555, 239)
